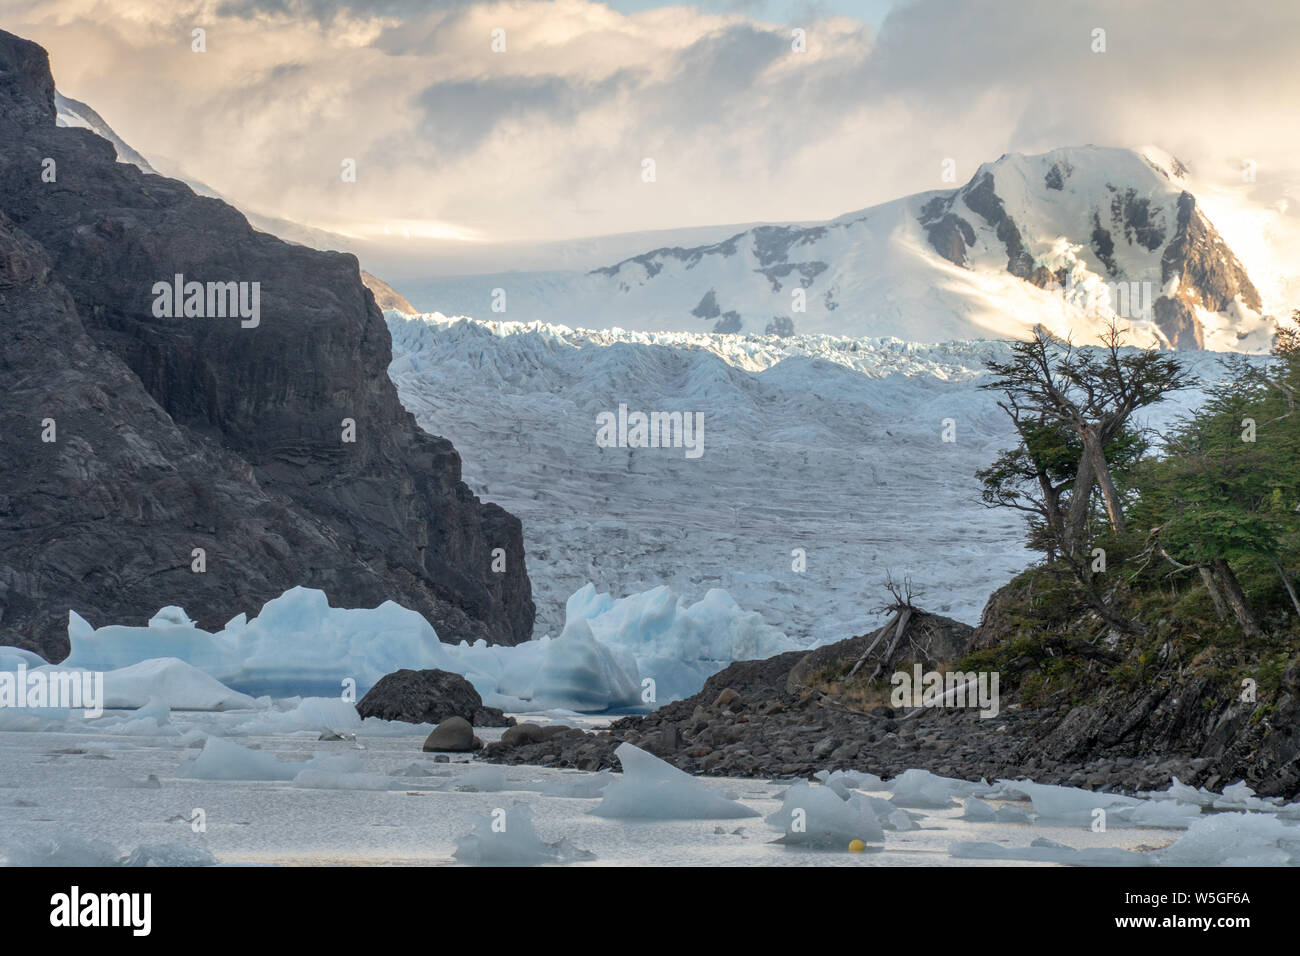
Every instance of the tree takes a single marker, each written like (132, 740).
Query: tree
(1059, 396)
(1227, 491)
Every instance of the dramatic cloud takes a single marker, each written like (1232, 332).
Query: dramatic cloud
(548, 139)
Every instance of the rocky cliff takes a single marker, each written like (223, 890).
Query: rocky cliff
(259, 426)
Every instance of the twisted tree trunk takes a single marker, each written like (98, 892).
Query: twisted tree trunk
(1236, 598)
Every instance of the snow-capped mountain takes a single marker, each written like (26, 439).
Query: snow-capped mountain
(1068, 239)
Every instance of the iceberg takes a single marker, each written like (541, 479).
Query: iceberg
(222, 760)
(651, 789)
(507, 838)
(170, 684)
(1235, 839)
(927, 791)
(981, 812)
(300, 646)
(820, 817)
(1072, 805)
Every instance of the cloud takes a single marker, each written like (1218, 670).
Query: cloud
(547, 139)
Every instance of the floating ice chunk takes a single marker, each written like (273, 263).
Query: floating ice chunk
(981, 812)
(819, 817)
(900, 820)
(223, 760)
(33, 719)
(843, 781)
(649, 788)
(339, 772)
(64, 851)
(75, 851)
(579, 785)
(298, 644)
(1235, 839)
(1182, 793)
(1165, 814)
(1071, 805)
(414, 769)
(483, 780)
(173, 684)
(1048, 851)
(925, 790)
(507, 838)
(1239, 796)
(157, 710)
(310, 714)
(169, 854)
(1003, 790)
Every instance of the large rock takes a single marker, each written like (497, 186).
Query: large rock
(173, 434)
(428, 697)
(453, 735)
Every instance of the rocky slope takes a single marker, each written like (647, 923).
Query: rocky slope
(222, 434)
(794, 714)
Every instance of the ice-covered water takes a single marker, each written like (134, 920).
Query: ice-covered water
(92, 795)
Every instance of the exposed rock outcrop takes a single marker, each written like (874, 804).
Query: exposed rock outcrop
(428, 697)
(386, 297)
(166, 435)
(1195, 262)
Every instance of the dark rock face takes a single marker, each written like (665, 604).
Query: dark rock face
(949, 234)
(173, 434)
(1192, 716)
(1209, 275)
(428, 697)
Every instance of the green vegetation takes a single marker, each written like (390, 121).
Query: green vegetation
(1161, 553)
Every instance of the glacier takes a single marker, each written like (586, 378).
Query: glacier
(824, 466)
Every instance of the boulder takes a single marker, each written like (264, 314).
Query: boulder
(428, 697)
(453, 735)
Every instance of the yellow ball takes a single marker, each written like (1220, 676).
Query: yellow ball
(857, 846)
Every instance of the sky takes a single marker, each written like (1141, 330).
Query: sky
(551, 137)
